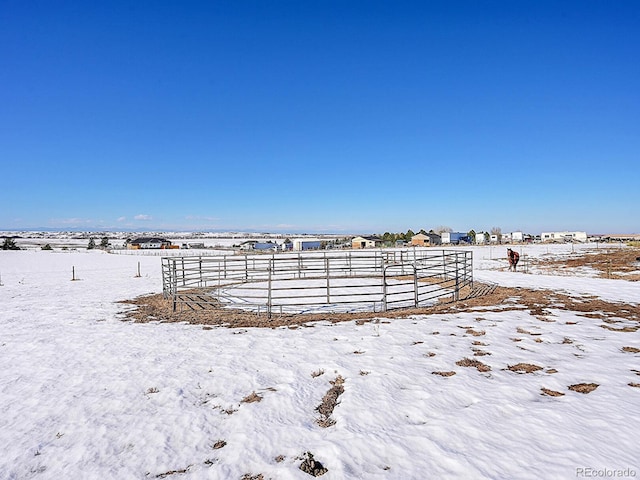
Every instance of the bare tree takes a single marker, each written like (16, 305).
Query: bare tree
(442, 228)
(497, 231)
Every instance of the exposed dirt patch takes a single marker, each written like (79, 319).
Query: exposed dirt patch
(632, 384)
(469, 362)
(312, 466)
(609, 262)
(583, 387)
(551, 393)
(480, 353)
(252, 398)
(475, 333)
(218, 445)
(173, 472)
(444, 374)
(329, 402)
(524, 368)
(631, 349)
(150, 308)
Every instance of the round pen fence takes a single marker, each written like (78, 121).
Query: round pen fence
(313, 282)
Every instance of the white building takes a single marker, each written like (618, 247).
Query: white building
(563, 236)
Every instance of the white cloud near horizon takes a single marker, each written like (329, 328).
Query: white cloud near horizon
(143, 217)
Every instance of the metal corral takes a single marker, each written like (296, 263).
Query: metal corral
(326, 281)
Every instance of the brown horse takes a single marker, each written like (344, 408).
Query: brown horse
(513, 257)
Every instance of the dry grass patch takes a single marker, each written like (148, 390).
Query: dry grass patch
(469, 362)
(252, 398)
(329, 402)
(551, 370)
(524, 368)
(155, 307)
(475, 333)
(628, 328)
(551, 393)
(611, 263)
(311, 466)
(444, 374)
(218, 445)
(633, 384)
(631, 349)
(526, 332)
(583, 387)
(317, 373)
(480, 353)
(249, 476)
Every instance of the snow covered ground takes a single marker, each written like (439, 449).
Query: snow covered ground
(84, 394)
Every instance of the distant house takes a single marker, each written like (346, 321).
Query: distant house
(455, 238)
(142, 243)
(264, 246)
(248, 245)
(300, 244)
(481, 239)
(426, 240)
(563, 236)
(366, 242)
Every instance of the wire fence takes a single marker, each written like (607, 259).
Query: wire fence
(299, 282)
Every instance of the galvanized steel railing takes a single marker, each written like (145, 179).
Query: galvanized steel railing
(318, 281)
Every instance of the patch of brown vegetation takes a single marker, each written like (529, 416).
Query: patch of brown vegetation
(631, 349)
(583, 387)
(249, 476)
(551, 370)
(611, 263)
(632, 384)
(469, 362)
(524, 368)
(480, 353)
(317, 373)
(475, 333)
(311, 466)
(329, 402)
(628, 328)
(252, 398)
(480, 344)
(444, 374)
(551, 393)
(173, 472)
(151, 308)
(218, 445)
(525, 332)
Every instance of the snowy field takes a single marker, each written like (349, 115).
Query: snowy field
(87, 395)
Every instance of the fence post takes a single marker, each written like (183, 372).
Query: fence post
(174, 287)
(384, 289)
(269, 289)
(457, 290)
(415, 284)
(326, 266)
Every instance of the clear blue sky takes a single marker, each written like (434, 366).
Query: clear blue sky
(326, 116)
